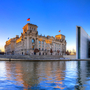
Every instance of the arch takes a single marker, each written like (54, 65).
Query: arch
(33, 40)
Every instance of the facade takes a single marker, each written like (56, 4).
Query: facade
(82, 43)
(30, 43)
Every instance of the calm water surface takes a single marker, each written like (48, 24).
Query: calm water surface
(59, 75)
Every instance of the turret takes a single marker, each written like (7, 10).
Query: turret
(30, 26)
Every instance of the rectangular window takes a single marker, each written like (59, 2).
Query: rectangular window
(33, 47)
(39, 42)
(42, 42)
(39, 48)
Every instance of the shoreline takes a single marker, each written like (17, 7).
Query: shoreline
(11, 59)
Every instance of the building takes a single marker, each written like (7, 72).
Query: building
(82, 43)
(30, 43)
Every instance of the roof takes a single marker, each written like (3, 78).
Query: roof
(30, 24)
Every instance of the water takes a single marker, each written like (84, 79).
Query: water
(59, 75)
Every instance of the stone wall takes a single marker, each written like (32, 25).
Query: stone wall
(32, 57)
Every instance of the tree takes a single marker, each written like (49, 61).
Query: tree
(51, 51)
(67, 52)
(63, 51)
(36, 50)
(58, 51)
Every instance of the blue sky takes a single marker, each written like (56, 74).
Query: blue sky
(49, 15)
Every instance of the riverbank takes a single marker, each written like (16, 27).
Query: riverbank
(40, 58)
(10, 59)
(30, 57)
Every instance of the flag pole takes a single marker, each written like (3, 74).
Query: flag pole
(28, 20)
(59, 31)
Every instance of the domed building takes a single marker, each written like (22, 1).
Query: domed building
(30, 43)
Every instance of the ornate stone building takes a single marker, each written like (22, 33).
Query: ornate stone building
(30, 43)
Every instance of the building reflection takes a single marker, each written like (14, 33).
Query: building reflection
(83, 75)
(32, 74)
(60, 75)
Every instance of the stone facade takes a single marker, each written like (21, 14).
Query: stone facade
(29, 41)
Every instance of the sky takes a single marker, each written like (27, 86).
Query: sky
(49, 15)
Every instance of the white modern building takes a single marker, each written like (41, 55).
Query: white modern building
(82, 43)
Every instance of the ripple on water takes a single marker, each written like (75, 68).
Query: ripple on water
(59, 75)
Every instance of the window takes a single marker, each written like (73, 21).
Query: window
(39, 48)
(33, 47)
(39, 53)
(32, 28)
(33, 41)
(39, 45)
(42, 45)
(42, 42)
(42, 49)
(39, 42)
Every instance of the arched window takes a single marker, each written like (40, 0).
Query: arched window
(33, 41)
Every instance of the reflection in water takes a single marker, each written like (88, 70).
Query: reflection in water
(2, 71)
(59, 75)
